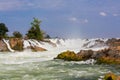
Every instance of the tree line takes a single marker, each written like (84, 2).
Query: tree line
(34, 32)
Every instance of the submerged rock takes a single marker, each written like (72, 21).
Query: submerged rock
(111, 76)
(35, 48)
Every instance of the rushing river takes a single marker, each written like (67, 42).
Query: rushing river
(29, 65)
(17, 66)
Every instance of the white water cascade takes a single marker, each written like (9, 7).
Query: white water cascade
(33, 43)
(61, 45)
(8, 45)
(40, 65)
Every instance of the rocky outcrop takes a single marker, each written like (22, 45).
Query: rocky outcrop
(3, 46)
(16, 44)
(85, 54)
(69, 56)
(109, 56)
(113, 42)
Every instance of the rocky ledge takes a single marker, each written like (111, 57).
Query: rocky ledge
(109, 56)
(18, 44)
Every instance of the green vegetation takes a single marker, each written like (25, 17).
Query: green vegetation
(35, 32)
(3, 30)
(17, 34)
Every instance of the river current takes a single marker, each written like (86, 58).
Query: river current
(29, 65)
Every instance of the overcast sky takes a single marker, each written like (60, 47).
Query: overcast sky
(64, 18)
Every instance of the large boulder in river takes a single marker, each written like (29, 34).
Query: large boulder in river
(16, 44)
(3, 46)
(69, 56)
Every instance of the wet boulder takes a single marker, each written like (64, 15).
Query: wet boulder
(69, 56)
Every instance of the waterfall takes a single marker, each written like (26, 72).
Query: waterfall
(8, 45)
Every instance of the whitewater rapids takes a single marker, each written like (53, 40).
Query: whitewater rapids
(52, 51)
(28, 65)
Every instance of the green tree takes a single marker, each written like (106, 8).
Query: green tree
(35, 32)
(3, 30)
(17, 34)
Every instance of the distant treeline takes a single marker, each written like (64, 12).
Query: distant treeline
(33, 33)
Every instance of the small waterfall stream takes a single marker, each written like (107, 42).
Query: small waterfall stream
(8, 45)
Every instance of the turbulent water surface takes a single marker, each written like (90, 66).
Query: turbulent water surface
(29, 65)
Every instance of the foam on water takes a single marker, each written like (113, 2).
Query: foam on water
(8, 45)
(62, 45)
(28, 65)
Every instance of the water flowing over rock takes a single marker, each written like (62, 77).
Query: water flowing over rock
(8, 45)
(36, 48)
(3, 46)
(93, 43)
(16, 44)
